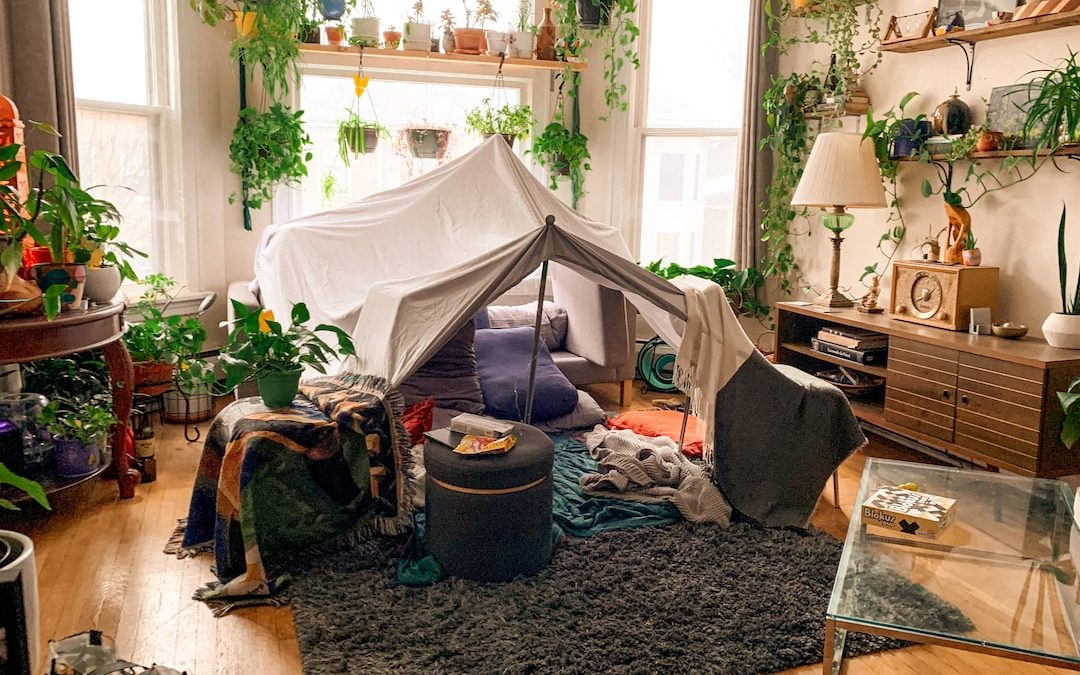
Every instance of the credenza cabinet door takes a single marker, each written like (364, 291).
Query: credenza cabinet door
(921, 388)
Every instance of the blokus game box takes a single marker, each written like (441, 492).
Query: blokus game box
(909, 512)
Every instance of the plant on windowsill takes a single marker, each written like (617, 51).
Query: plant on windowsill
(107, 261)
(470, 39)
(268, 149)
(357, 136)
(417, 31)
(79, 437)
(157, 343)
(523, 39)
(741, 286)
(1062, 329)
(564, 153)
(510, 122)
(260, 348)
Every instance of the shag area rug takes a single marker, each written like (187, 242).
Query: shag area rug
(682, 598)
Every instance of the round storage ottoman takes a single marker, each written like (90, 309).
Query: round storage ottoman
(489, 516)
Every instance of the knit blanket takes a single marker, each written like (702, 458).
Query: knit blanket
(273, 484)
(647, 469)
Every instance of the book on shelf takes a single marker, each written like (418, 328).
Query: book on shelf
(867, 357)
(853, 338)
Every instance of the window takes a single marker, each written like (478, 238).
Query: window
(396, 100)
(690, 114)
(127, 121)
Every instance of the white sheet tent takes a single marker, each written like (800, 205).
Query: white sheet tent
(402, 270)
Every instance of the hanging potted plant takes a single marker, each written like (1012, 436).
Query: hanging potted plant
(417, 31)
(158, 342)
(260, 348)
(17, 563)
(426, 141)
(594, 13)
(564, 153)
(365, 29)
(510, 122)
(333, 10)
(268, 149)
(357, 136)
(1062, 329)
(523, 40)
(79, 437)
(470, 39)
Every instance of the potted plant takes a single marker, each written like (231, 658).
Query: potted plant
(426, 141)
(391, 38)
(17, 563)
(260, 348)
(1062, 329)
(191, 398)
(158, 342)
(417, 31)
(308, 32)
(333, 10)
(365, 29)
(989, 140)
(1052, 111)
(594, 13)
(79, 437)
(106, 259)
(523, 39)
(742, 287)
(446, 22)
(335, 34)
(470, 40)
(1070, 405)
(268, 149)
(357, 136)
(972, 256)
(564, 153)
(510, 122)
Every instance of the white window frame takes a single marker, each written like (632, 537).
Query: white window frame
(640, 132)
(162, 113)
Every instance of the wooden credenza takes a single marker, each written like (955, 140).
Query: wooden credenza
(974, 396)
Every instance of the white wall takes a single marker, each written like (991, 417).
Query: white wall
(1016, 228)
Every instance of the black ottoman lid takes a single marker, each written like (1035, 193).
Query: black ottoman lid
(529, 460)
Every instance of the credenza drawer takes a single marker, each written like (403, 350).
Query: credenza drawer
(1018, 454)
(943, 395)
(928, 356)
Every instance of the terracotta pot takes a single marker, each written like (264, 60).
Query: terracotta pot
(1062, 330)
(335, 35)
(989, 141)
(153, 378)
(468, 40)
(391, 39)
(71, 275)
(972, 257)
(246, 25)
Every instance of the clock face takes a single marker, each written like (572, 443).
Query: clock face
(926, 295)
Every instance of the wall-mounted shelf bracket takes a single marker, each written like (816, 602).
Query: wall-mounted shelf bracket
(969, 56)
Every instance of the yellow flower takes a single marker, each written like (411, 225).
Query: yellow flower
(265, 317)
(187, 366)
(360, 84)
(78, 424)
(96, 258)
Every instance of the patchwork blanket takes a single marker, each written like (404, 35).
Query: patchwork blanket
(274, 483)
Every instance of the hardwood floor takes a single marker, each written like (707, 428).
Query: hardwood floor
(101, 565)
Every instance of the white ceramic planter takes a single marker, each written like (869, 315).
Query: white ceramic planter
(497, 41)
(23, 570)
(416, 33)
(366, 29)
(1062, 330)
(522, 44)
(102, 283)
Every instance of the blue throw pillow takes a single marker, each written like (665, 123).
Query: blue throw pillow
(502, 362)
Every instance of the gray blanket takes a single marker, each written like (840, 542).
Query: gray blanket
(780, 433)
(645, 469)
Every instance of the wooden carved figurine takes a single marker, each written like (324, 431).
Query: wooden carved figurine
(959, 228)
(868, 304)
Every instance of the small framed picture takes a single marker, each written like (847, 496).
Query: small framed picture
(970, 13)
(910, 26)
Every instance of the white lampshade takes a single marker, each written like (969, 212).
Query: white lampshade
(842, 171)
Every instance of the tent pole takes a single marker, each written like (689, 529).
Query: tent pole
(685, 418)
(536, 342)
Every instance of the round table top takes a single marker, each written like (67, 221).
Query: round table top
(29, 338)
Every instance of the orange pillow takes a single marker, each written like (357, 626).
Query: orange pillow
(417, 420)
(661, 423)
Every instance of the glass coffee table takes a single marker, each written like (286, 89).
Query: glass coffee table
(1005, 569)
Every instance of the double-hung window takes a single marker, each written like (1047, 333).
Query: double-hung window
(124, 61)
(687, 124)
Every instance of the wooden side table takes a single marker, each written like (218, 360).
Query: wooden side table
(34, 338)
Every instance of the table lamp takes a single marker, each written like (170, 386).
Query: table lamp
(841, 173)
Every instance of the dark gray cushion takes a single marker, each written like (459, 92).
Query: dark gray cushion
(553, 322)
(449, 377)
(502, 360)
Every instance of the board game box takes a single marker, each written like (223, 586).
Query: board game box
(908, 511)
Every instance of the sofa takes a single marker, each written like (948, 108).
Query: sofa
(599, 344)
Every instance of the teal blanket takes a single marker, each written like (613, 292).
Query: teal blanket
(574, 513)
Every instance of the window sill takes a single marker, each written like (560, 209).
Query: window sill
(185, 303)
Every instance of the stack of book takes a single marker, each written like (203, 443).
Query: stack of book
(852, 344)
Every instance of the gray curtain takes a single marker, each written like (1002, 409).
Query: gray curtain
(35, 50)
(754, 166)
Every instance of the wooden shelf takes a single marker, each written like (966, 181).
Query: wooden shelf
(1021, 27)
(50, 482)
(1072, 152)
(876, 371)
(374, 56)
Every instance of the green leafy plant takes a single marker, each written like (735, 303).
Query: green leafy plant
(1070, 404)
(101, 246)
(86, 425)
(564, 153)
(31, 488)
(416, 14)
(515, 121)
(75, 381)
(1068, 306)
(525, 17)
(329, 188)
(446, 21)
(970, 242)
(1052, 111)
(258, 344)
(268, 149)
(158, 338)
(619, 41)
(194, 376)
(351, 136)
(741, 286)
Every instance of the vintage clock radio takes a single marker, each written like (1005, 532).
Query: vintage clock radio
(940, 295)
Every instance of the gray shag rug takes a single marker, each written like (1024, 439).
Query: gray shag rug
(684, 598)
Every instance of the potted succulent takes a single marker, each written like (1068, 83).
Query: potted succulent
(357, 136)
(1062, 329)
(17, 563)
(470, 40)
(391, 38)
(1052, 111)
(426, 141)
(417, 31)
(365, 29)
(260, 348)
(335, 34)
(446, 22)
(523, 39)
(510, 122)
(158, 342)
(972, 256)
(79, 437)
(564, 153)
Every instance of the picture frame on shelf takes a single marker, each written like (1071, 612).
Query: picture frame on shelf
(1007, 112)
(910, 26)
(972, 13)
